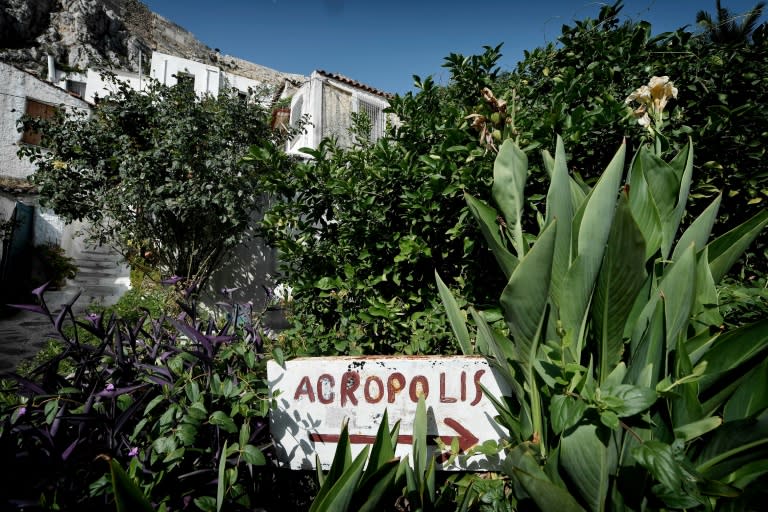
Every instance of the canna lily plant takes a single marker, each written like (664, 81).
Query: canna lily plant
(628, 395)
(652, 100)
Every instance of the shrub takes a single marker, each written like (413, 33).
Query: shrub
(626, 392)
(360, 230)
(181, 402)
(55, 266)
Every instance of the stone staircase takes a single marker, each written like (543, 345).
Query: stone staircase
(102, 277)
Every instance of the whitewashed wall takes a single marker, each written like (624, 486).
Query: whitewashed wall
(15, 87)
(164, 68)
(316, 98)
(95, 85)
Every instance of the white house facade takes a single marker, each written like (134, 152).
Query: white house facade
(204, 78)
(328, 101)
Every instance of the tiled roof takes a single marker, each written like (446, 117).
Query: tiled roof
(355, 83)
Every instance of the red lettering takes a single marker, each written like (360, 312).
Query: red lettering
(444, 399)
(395, 384)
(350, 381)
(478, 389)
(419, 386)
(325, 384)
(304, 388)
(371, 399)
(463, 386)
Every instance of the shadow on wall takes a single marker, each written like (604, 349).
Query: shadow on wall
(251, 274)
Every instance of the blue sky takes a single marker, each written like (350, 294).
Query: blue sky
(383, 44)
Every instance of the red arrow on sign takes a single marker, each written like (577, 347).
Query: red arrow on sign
(466, 438)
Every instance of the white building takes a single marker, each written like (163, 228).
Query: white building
(23, 93)
(329, 99)
(204, 78)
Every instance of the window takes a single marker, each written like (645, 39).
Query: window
(375, 116)
(296, 111)
(186, 80)
(40, 111)
(76, 88)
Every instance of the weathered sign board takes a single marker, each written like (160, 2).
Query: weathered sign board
(313, 397)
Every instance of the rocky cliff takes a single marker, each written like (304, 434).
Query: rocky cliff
(103, 33)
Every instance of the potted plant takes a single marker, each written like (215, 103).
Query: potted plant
(281, 114)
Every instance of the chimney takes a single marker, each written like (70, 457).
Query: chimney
(51, 69)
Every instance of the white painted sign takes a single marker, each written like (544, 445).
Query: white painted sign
(313, 398)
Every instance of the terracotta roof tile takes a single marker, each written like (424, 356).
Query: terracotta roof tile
(355, 83)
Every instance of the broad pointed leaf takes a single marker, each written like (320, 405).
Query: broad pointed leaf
(590, 459)
(677, 291)
(455, 317)
(591, 228)
(510, 170)
(487, 219)
(621, 278)
(699, 230)
(725, 250)
(560, 207)
(525, 297)
(521, 465)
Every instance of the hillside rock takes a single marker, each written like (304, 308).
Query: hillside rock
(103, 33)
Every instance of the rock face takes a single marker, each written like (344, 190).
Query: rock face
(103, 33)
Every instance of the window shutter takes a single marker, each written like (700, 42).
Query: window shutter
(40, 111)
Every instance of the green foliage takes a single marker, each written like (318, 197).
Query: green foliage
(55, 266)
(630, 396)
(377, 480)
(157, 172)
(360, 231)
(178, 406)
(740, 304)
(577, 88)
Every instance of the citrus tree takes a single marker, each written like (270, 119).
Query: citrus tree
(157, 173)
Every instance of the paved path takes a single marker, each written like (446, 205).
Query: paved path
(100, 279)
(21, 337)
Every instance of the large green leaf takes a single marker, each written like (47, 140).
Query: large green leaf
(565, 412)
(663, 188)
(627, 399)
(510, 170)
(592, 226)
(340, 494)
(685, 405)
(382, 451)
(487, 219)
(734, 444)
(525, 297)
(659, 459)
(677, 289)
(682, 165)
(561, 208)
(751, 397)
(455, 317)
(376, 487)
(725, 250)
(699, 230)
(521, 465)
(621, 278)
(705, 313)
(647, 345)
(128, 495)
(590, 459)
(644, 208)
(420, 437)
(342, 461)
(733, 351)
